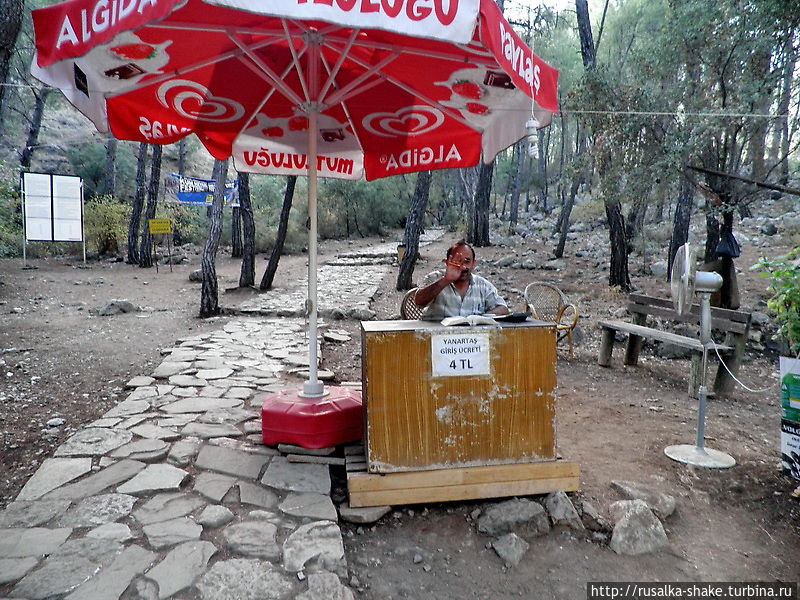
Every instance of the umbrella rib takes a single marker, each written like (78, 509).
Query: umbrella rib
(296, 60)
(261, 104)
(489, 60)
(347, 110)
(342, 55)
(342, 93)
(265, 70)
(445, 109)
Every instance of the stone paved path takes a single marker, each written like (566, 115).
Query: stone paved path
(345, 285)
(171, 494)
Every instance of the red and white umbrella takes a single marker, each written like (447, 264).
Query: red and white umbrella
(336, 88)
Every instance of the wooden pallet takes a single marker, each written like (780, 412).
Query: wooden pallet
(469, 483)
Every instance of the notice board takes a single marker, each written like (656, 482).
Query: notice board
(53, 206)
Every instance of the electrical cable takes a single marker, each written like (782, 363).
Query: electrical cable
(737, 380)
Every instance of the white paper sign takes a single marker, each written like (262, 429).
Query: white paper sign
(67, 221)
(460, 355)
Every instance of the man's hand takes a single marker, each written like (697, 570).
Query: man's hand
(452, 273)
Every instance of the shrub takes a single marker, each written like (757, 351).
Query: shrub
(785, 303)
(106, 225)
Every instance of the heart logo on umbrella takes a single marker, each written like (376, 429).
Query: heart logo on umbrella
(412, 120)
(192, 100)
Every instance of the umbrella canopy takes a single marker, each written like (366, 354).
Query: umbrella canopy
(336, 88)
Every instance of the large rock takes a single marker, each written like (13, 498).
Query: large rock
(663, 505)
(637, 530)
(253, 539)
(369, 514)
(519, 515)
(511, 548)
(325, 586)
(562, 511)
(117, 307)
(320, 542)
(242, 579)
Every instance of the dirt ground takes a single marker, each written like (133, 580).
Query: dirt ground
(58, 359)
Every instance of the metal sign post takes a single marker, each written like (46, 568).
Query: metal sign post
(161, 227)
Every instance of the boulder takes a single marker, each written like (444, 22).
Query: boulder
(663, 505)
(517, 515)
(637, 530)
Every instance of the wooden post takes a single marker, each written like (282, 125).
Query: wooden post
(606, 348)
(634, 341)
(723, 382)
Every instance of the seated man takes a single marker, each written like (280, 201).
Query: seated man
(459, 292)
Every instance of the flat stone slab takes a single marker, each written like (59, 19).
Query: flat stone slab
(200, 404)
(320, 541)
(167, 369)
(12, 569)
(118, 532)
(164, 507)
(292, 449)
(211, 374)
(210, 430)
(154, 478)
(139, 381)
(66, 568)
(147, 450)
(318, 507)
(53, 473)
(186, 381)
(181, 566)
(297, 477)
(97, 510)
(128, 408)
(182, 452)
(252, 539)
(213, 486)
(230, 416)
(94, 484)
(148, 430)
(234, 580)
(32, 513)
(174, 531)
(35, 541)
(369, 514)
(94, 441)
(114, 578)
(256, 495)
(232, 462)
(214, 516)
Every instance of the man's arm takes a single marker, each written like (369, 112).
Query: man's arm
(426, 295)
(499, 310)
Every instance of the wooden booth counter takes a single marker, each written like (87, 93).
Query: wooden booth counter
(455, 413)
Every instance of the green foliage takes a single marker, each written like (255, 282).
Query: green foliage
(106, 225)
(784, 273)
(10, 220)
(89, 162)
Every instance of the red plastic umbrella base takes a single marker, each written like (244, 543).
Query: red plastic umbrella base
(288, 418)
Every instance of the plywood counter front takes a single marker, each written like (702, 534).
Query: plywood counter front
(420, 417)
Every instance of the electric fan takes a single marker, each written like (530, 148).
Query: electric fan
(685, 282)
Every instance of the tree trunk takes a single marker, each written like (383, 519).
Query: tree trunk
(727, 270)
(680, 225)
(712, 236)
(618, 272)
(10, 25)
(542, 164)
(588, 51)
(247, 277)
(36, 126)
(563, 218)
(413, 228)
(236, 232)
(109, 182)
(146, 247)
(280, 237)
(136, 209)
(480, 215)
(517, 188)
(182, 151)
(782, 128)
(209, 293)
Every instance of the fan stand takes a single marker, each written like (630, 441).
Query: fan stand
(698, 455)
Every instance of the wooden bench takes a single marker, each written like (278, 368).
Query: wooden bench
(735, 324)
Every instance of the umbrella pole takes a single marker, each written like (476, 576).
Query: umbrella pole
(312, 388)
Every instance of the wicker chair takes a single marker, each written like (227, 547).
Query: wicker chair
(548, 303)
(409, 311)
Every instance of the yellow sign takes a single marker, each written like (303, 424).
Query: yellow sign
(160, 226)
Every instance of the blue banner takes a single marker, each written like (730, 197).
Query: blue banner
(200, 192)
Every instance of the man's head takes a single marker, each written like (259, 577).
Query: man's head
(461, 255)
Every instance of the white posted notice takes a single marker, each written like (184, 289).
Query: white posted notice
(460, 355)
